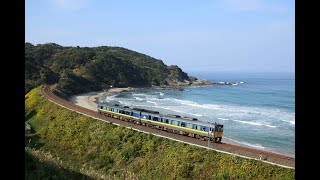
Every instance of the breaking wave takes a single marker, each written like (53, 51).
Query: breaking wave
(257, 146)
(194, 104)
(255, 123)
(224, 119)
(160, 93)
(152, 102)
(199, 115)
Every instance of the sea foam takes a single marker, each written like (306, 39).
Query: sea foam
(194, 104)
(257, 146)
(255, 123)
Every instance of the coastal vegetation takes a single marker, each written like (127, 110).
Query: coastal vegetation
(67, 145)
(76, 70)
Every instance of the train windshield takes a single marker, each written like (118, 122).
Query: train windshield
(219, 128)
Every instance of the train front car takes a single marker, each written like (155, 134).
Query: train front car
(218, 133)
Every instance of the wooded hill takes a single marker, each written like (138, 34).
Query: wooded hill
(82, 69)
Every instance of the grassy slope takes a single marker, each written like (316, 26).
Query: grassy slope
(40, 165)
(98, 149)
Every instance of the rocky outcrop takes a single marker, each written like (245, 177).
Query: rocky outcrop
(227, 83)
(199, 82)
(192, 78)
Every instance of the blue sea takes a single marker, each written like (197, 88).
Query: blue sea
(258, 113)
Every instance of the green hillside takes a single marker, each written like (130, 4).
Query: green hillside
(67, 145)
(83, 69)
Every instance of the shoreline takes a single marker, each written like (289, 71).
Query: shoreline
(91, 99)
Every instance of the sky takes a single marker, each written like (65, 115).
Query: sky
(206, 35)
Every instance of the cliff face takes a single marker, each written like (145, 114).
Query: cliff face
(83, 69)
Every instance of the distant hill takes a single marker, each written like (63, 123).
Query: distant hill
(83, 69)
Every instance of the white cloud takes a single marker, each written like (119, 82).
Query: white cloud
(71, 4)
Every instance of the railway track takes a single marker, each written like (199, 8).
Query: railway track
(268, 157)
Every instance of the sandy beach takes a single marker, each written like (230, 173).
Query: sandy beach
(88, 100)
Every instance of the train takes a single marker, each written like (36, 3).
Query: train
(183, 125)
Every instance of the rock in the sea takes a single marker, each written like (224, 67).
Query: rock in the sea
(201, 82)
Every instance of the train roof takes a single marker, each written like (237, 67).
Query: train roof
(168, 116)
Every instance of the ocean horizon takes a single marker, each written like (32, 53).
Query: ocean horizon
(258, 111)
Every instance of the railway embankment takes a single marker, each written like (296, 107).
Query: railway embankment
(269, 157)
(100, 150)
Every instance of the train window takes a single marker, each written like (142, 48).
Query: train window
(166, 121)
(161, 119)
(183, 124)
(189, 125)
(204, 128)
(155, 118)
